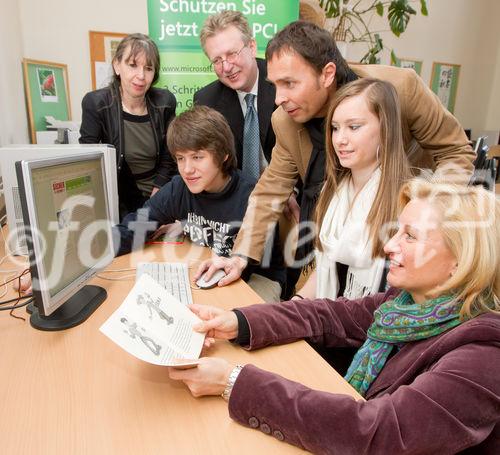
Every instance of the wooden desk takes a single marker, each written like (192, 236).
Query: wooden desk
(76, 392)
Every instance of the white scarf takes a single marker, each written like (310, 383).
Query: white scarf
(344, 237)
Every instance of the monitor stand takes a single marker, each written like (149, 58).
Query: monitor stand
(74, 311)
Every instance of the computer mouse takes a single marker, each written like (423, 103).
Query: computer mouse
(209, 284)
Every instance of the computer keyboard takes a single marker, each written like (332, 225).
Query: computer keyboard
(173, 276)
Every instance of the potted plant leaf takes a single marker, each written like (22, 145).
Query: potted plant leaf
(352, 21)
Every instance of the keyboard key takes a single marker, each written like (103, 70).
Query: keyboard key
(173, 276)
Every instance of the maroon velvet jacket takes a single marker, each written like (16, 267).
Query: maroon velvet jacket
(436, 396)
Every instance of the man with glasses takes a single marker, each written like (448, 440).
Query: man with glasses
(241, 93)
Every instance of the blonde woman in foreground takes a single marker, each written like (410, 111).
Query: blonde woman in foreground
(428, 362)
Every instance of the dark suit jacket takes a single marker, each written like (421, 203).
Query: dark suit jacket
(225, 100)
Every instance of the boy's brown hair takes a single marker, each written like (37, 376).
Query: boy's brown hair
(203, 128)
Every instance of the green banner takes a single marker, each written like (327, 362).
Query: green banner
(174, 25)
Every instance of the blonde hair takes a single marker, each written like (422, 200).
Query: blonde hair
(220, 21)
(382, 100)
(470, 224)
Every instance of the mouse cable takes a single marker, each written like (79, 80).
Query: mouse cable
(15, 299)
(15, 307)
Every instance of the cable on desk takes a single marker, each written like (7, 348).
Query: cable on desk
(7, 270)
(6, 248)
(118, 270)
(19, 297)
(17, 277)
(5, 281)
(15, 307)
(15, 299)
(120, 278)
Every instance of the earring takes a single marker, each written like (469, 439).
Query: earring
(378, 150)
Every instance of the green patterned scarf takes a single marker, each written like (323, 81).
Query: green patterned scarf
(397, 322)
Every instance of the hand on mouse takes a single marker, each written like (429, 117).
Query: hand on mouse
(209, 283)
(233, 267)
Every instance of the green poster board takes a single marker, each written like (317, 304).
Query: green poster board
(407, 63)
(175, 25)
(444, 83)
(47, 93)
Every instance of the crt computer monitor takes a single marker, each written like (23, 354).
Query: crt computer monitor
(68, 232)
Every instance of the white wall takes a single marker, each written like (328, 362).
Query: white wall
(462, 32)
(13, 118)
(456, 31)
(493, 117)
(58, 31)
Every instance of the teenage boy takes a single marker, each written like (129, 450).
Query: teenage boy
(209, 196)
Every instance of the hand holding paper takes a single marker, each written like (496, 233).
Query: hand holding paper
(209, 378)
(154, 326)
(217, 323)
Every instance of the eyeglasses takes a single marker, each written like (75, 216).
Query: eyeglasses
(230, 58)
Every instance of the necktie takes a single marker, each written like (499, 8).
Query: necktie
(251, 141)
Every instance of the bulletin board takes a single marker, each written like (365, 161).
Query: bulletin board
(47, 93)
(102, 50)
(444, 83)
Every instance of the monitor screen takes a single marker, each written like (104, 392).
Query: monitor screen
(68, 231)
(10, 155)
